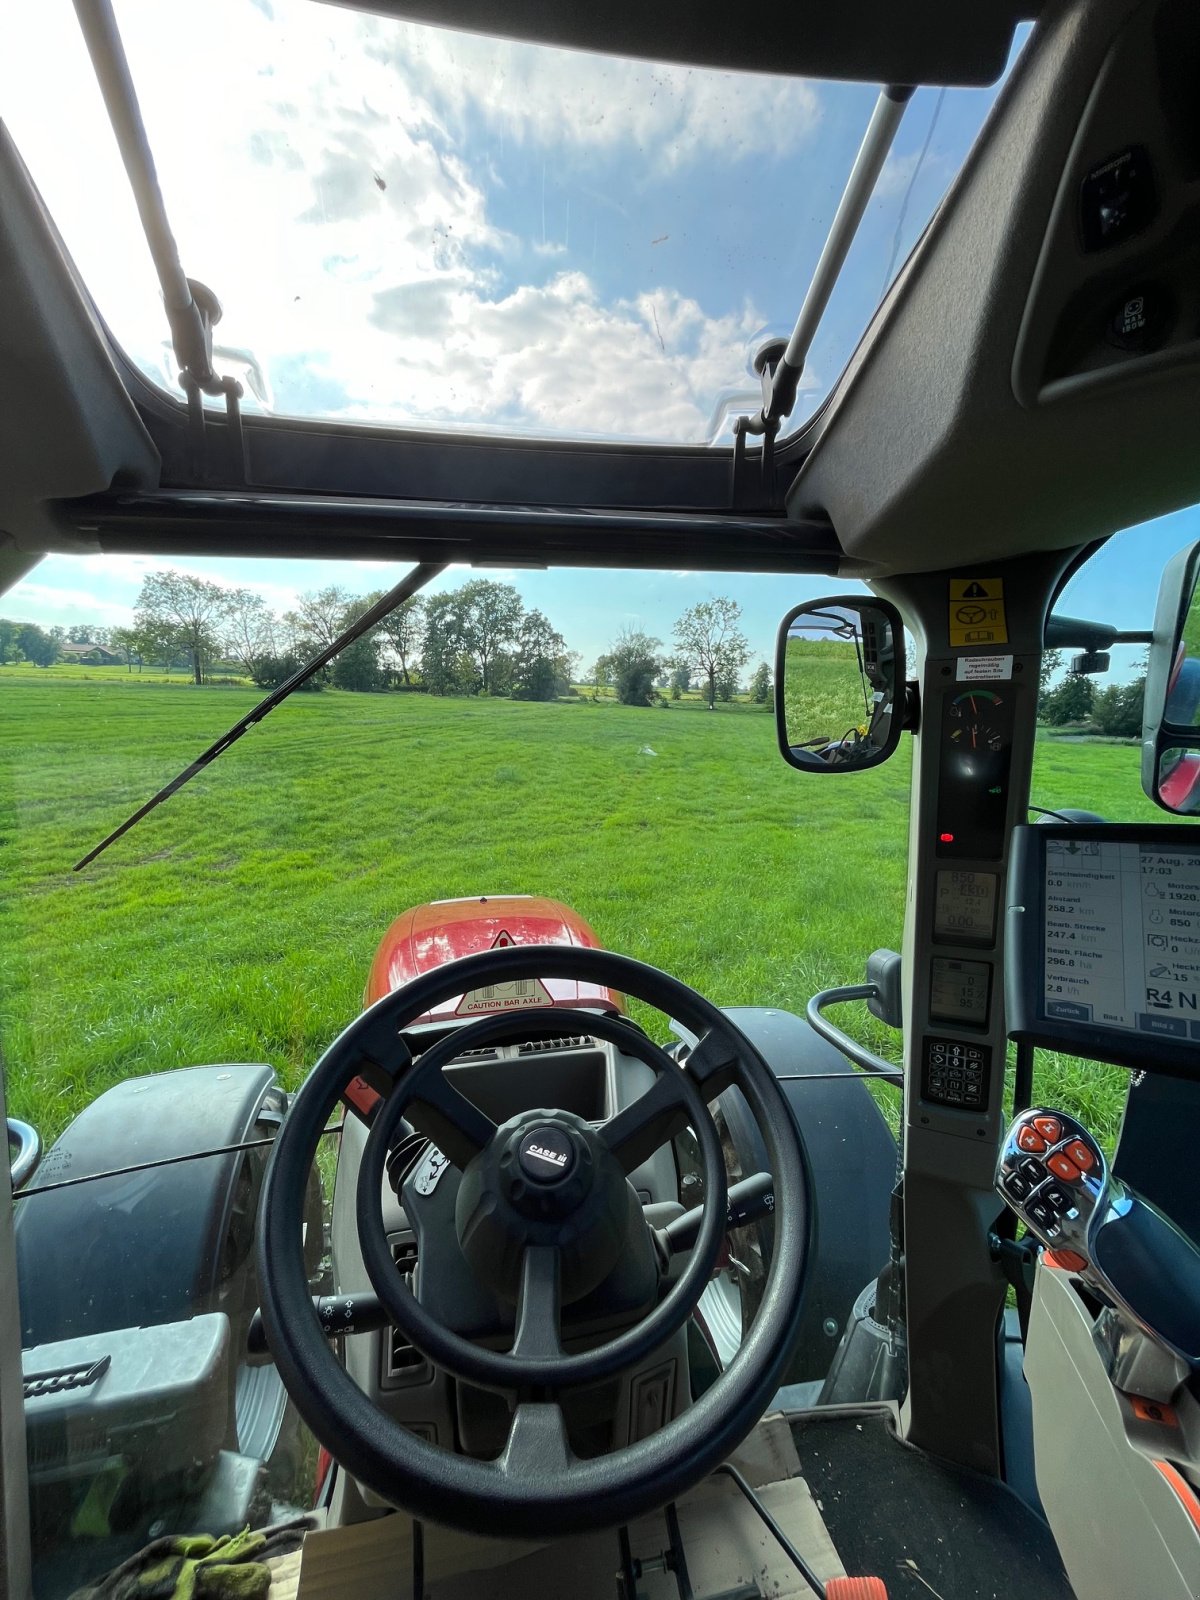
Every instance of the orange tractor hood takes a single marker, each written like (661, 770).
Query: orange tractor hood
(430, 935)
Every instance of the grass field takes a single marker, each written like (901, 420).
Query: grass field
(238, 922)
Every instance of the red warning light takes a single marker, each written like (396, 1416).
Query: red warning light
(945, 838)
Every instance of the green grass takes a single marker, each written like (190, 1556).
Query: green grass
(22, 672)
(238, 921)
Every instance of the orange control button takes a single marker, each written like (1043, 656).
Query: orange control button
(1080, 1155)
(1030, 1141)
(1062, 1168)
(1050, 1128)
(1067, 1260)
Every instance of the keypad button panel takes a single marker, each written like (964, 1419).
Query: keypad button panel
(956, 1074)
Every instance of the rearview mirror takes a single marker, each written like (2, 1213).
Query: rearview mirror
(1171, 717)
(839, 684)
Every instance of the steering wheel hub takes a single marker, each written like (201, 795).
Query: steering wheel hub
(545, 1154)
(544, 1179)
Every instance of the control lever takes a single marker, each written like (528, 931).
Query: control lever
(1053, 1174)
(747, 1201)
(337, 1313)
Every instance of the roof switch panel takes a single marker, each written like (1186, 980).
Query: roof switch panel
(1117, 199)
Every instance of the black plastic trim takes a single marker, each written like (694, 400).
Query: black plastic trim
(252, 523)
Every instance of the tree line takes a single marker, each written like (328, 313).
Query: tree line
(478, 639)
(1114, 712)
(710, 650)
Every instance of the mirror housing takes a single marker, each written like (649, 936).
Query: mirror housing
(839, 684)
(1171, 716)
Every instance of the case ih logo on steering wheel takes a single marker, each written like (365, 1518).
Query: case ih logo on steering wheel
(556, 1158)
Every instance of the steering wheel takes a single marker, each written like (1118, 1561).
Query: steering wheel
(544, 1212)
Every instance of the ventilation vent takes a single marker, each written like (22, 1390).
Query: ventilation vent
(54, 1450)
(579, 1041)
(402, 1360)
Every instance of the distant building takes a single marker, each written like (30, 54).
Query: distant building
(94, 655)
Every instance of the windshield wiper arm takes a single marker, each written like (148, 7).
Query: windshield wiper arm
(404, 590)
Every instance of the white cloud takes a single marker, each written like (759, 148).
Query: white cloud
(104, 589)
(559, 357)
(899, 171)
(47, 603)
(672, 115)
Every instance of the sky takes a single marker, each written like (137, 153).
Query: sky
(409, 225)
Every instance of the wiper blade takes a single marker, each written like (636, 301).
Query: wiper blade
(404, 590)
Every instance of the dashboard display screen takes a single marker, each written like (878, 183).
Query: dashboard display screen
(965, 907)
(959, 991)
(1103, 943)
(1122, 941)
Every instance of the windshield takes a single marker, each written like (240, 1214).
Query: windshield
(408, 225)
(514, 734)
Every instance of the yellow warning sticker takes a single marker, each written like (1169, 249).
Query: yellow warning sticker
(977, 612)
(519, 992)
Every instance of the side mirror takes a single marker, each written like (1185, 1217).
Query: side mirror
(839, 684)
(1171, 716)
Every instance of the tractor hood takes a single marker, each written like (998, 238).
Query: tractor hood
(429, 936)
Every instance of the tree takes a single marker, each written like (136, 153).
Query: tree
(128, 642)
(681, 678)
(269, 672)
(1071, 701)
(187, 611)
(249, 629)
(36, 645)
(635, 664)
(357, 666)
(709, 638)
(542, 662)
(9, 632)
(1117, 710)
(445, 666)
(404, 631)
(1051, 662)
(760, 684)
(489, 619)
(601, 675)
(318, 618)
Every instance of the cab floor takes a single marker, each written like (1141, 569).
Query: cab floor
(922, 1525)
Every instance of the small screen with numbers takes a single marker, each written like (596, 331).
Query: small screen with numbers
(965, 907)
(959, 990)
